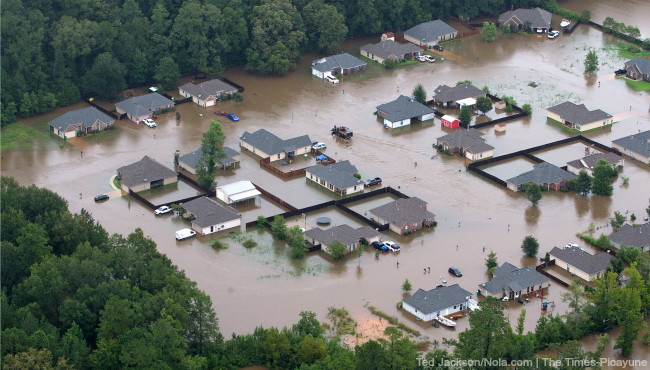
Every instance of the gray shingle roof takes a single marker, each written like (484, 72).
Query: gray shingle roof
(429, 31)
(437, 299)
(192, 159)
(542, 173)
(446, 93)
(338, 174)
(209, 213)
(582, 260)
(514, 280)
(271, 144)
(402, 211)
(88, 116)
(403, 108)
(205, 89)
(591, 160)
(343, 60)
(538, 18)
(638, 236)
(642, 65)
(504, 269)
(143, 104)
(638, 143)
(384, 49)
(578, 113)
(145, 169)
(471, 140)
(342, 233)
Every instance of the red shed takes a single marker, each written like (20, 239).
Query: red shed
(449, 121)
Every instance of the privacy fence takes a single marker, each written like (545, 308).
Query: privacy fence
(266, 163)
(540, 269)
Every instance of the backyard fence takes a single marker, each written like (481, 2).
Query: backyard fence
(570, 29)
(625, 37)
(473, 30)
(540, 269)
(498, 120)
(266, 163)
(141, 199)
(241, 88)
(110, 113)
(275, 199)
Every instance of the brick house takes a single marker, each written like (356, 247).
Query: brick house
(143, 106)
(637, 146)
(544, 174)
(403, 215)
(390, 49)
(343, 63)
(638, 69)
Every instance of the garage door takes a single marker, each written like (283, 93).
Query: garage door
(209, 103)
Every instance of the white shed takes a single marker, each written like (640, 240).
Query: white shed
(237, 192)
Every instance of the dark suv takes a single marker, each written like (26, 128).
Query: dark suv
(99, 198)
(372, 182)
(455, 271)
(380, 246)
(438, 47)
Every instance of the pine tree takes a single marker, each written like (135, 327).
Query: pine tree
(406, 287)
(465, 116)
(419, 94)
(591, 62)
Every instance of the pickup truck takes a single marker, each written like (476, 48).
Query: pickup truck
(372, 182)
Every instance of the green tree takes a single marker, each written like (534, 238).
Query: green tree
(211, 154)
(629, 253)
(35, 359)
(591, 62)
(603, 173)
(363, 245)
(484, 104)
(279, 228)
(277, 347)
(505, 30)
(8, 113)
(618, 220)
(465, 116)
(575, 297)
(530, 246)
(167, 73)
(489, 31)
(296, 240)
(533, 193)
(407, 287)
(583, 183)
(616, 265)
(629, 315)
(527, 109)
(139, 71)
(106, 77)
(371, 355)
(324, 26)
(312, 350)
(32, 245)
(585, 17)
(508, 108)
(491, 262)
(238, 98)
(337, 249)
(401, 352)
(419, 94)
(262, 222)
(388, 63)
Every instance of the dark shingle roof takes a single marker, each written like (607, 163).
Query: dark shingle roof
(192, 159)
(638, 236)
(209, 213)
(437, 299)
(513, 280)
(591, 160)
(446, 93)
(145, 169)
(342, 233)
(271, 144)
(582, 260)
(403, 108)
(638, 143)
(343, 60)
(143, 104)
(538, 18)
(506, 268)
(338, 174)
(429, 31)
(384, 49)
(542, 173)
(641, 64)
(578, 113)
(471, 140)
(402, 211)
(205, 89)
(88, 116)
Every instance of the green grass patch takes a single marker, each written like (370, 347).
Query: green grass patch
(400, 64)
(218, 244)
(18, 136)
(638, 85)
(570, 130)
(628, 51)
(393, 320)
(117, 183)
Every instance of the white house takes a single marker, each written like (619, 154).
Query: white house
(210, 216)
(267, 145)
(403, 111)
(441, 301)
(337, 177)
(589, 162)
(237, 192)
(512, 282)
(581, 263)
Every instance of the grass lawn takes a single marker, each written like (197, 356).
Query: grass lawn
(570, 130)
(638, 85)
(18, 136)
(117, 183)
(402, 63)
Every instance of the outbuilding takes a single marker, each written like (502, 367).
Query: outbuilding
(449, 121)
(237, 192)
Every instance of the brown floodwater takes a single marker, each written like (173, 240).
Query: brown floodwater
(263, 285)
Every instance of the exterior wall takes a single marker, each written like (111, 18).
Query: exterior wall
(595, 124)
(320, 74)
(430, 316)
(579, 273)
(453, 124)
(397, 123)
(216, 228)
(479, 156)
(187, 167)
(139, 188)
(524, 292)
(125, 188)
(512, 187)
(632, 74)
(373, 57)
(427, 117)
(351, 190)
(221, 195)
(170, 180)
(254, 150)
(632, 154)
(554, 116)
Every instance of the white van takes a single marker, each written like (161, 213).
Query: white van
(185, 234)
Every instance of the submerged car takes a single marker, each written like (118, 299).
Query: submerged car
(392, 246)
(149, 122)
(429, 59)
(332, 79)
(553, 34)
(454, 271)
(162, 210)
(379, 246)
(101, 197)
(372, 182)
(232, 116)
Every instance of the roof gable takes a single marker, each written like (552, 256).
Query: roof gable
(402, 211)
(144, 170)
(446, 93)
(403, 108)
(538, 18)
(509, 279)
(342, 233)
(578, 113)
(271, 144)
(591, 160)
(86, 116)
(638, 143)
(430, 31)
(638, 236)
(192, 159)
(209, 213)
(343, 60)
(144, 104)
(339, 174)
(438, 299)
(386, 48)
(542, 173)
(208, 88)
(582, 260)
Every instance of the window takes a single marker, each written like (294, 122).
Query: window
(355, 187)
(406, 228)
(311, 176)
(540, 286)
(278, 156)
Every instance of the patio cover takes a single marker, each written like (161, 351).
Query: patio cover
(245, 195)
(468, 101)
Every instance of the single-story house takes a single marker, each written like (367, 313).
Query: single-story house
(85, 120)
(449, 121)
(638, 236)
(145, 174)
(430, 33)
(189, 161)
(581, 263)
(267, 145)
(578, 117)
(638, 68)
(500, 105)
(500, 127)
(390, 49)
(143, 106)
(211, 216)
(401, 111)
(343, 63)
(206, 93)
(344, 234)
(403, 215)
(426, 305)
(337, 177)
(237, 192)
(510, 281)
(544, 174)
(589, 162)
(537, 17)
(455, 97)
(637, 146)
(469, 143)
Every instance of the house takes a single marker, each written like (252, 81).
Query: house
(143, 106)
(81, 121)
(267, 145)
(638, 236)
(581, 263)
(544, 174)
(210, 216)
(206, 94)
(449, 121)
(426, 305)
(638, 69)
(537, 17)
(500, 105)
(237, 192)
(589, 162)
(510, 281)
(401, 111)
(469, 143)
(430, 33)
(145, 174)
(390, 49)
(343, 63)
(387, 36)
(404, 216)
(500, 127)
(637, 146)
(578, 117)
(455, 97)
(189, 161)
(337, 177)
(344, 234)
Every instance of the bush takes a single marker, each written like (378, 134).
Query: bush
(527, 109)
(400, 304)
(339, 76)
(388, 63)
(571, 184)
(262, 222)
(178, 116)
(249, 243)
(357, 175)
(508, 108)
(564, 190)
(238, 98)
(218, 244)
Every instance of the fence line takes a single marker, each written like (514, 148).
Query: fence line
(275, 199)
(191, 181)
(463, 23)
(241, 88)
(569, 30)
(112, 114)
(266, 163)
(540, 269)
(141, 199)
(181, 200)
(498, 120)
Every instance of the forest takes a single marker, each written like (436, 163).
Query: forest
(56, 51)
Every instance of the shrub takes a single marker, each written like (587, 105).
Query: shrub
(357, 175)
(218, 244)
(508, 108)
(249, 243)
(400, 304)
(564, 190)
(178, 116)
(262, 222)
(339, 76)
(388, 63)
(527, 109)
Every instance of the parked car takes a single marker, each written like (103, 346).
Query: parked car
(99, 198)
(438, 47)
(429, 58)
(421, 58)
(185, 234)
(162, 210)
(319, 146)
(553, 34)
(379, 246)
(454, 271)
(314, 142)
(372, 182)
(540, 30)
(233, 117)
(149, 122)
(392, 246)
(332, 79)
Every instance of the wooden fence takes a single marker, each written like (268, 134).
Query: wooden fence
(241, 88)
(110, 113)
(142, 200)
(266, 163)
(463, 23)
(275, 199)
(540, 269)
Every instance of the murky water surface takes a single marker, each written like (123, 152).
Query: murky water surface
(263, 285)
